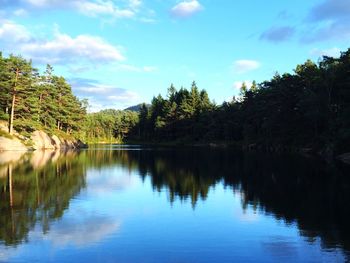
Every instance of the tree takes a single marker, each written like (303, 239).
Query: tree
(20, 75)
(243, 90)
(5, 97)
(254, 87)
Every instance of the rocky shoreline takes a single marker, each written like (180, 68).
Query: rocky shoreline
(39, 140)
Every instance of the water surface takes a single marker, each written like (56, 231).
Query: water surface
(132, 204)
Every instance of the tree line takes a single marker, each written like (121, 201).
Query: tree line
(109, 125)
(30, 101)
(309, 108)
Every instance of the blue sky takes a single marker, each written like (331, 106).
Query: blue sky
(122, 52)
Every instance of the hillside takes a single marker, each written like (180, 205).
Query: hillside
(136, 108)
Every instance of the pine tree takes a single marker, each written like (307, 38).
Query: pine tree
(5, 97)
(20, 75)
(243, 90)
(171, 93)
(47, 97)
(254, 86)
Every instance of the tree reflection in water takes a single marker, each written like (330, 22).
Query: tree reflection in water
(37, 189)
(306, 191)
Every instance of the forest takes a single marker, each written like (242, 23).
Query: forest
(32, 101)
(308, 109)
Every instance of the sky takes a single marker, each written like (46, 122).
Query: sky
(118, 53)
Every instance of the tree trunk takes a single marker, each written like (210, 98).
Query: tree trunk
(40, 103)
(13, 103)
(12, 113)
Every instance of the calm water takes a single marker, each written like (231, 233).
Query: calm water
(127, 204)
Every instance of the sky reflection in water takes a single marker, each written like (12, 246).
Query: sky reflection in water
(126, 204)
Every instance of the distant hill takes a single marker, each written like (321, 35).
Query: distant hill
(137, 107)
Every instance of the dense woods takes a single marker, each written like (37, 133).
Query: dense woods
(109, 125)
(309, 108)
(32, 101)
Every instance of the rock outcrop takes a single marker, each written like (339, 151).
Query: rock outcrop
(39, 140)
(13, 144)
(42, 140)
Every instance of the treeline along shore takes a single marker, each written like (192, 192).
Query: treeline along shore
(40, 111)
(307, 110)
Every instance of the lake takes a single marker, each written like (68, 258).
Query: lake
(115, 203)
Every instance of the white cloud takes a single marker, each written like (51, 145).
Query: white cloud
(332, 52)
(64, 48)
(186, 8)
(125, 96)
(20, 12)
(238, 84)
(103, 96)
(107, 92)
(101, 182)
(102, 8)
(134, 4)
(12, 32)
(92, 8)
(244, 66)
(84, 232)
(101, 89)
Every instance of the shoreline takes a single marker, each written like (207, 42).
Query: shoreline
(254, 147)
(42, 141)
(38, 140)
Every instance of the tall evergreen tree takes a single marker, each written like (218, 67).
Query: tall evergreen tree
(19, 76)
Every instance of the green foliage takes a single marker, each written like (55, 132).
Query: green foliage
(5, 134)
(31, 101)
(32, 193)
(109, 125)
(4, 116)
(174, 118)
(310, 108)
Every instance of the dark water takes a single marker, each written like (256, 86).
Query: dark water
(126, 204)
